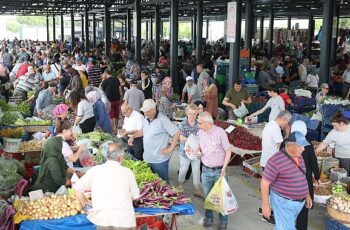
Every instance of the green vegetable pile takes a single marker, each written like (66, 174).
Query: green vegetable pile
(10, 117)
(142, 171)
(309, 114)
(96, 136)
(11, 171)
(23, 107)
(22, 122)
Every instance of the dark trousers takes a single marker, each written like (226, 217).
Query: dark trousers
(88, 125)
(137, 148)
(302, 219)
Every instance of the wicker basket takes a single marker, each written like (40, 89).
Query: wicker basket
(337, 215)
(32, 156)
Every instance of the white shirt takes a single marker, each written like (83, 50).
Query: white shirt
(134, 122)
(85, 110)
(79, 67)
(342, 143)
(277, 105)
(271, 139)
(113, 188)
(302, 72)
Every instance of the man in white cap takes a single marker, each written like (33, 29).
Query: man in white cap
(193, 93)
(157, 130)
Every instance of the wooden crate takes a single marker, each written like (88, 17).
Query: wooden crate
(250, 172)
(36, 128)
(16, 100)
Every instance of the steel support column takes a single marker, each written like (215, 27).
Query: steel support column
(334, 44)
(87, 33)
(326, 40)
(270, 48)
(47, 29)
(94, 30)
(62, 28)
(174, 31)
(207, 30)
(82, 27)
(199, 32)
(249, 23)
(151, 28)
(310, 36)
(53, 28)
(235, 48)
(113, 28)
(261, 40)
(161, 28)
(157, 34)
(289, 23)
(129, 27)
(72, 30)
(147, 30)
(138, 31)
(124, 28)
(107, 29)
(194, 30)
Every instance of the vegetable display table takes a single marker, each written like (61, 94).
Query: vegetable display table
(82, 223)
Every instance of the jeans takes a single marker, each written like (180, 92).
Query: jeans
(285, 211)
(209, 177)
(162, 169)
(184, 165)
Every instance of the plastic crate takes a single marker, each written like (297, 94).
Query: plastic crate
(328, 111)
(11, 145)
(252, 88)
(334, 225)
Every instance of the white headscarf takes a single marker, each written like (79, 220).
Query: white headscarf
(93, 97)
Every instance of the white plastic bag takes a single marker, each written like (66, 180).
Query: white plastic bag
(192, 143)
(76, 130)
(241, 111)
(230, 204)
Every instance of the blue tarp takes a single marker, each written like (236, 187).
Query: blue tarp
(82, 223)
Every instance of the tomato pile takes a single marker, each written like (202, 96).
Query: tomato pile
(240, 137)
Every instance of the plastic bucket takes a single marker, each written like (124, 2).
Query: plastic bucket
(11, 145)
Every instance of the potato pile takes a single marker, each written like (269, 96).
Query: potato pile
(51, 207)
(32, 145)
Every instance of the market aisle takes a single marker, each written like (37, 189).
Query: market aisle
(246, 191)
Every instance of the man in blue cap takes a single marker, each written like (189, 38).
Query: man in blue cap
(284, 179)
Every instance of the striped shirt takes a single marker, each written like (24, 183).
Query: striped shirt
(214, 144)
(27, 82)
(94, 74)
(285, 177)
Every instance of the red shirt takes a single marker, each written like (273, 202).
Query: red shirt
(285, 98)
(23, 69)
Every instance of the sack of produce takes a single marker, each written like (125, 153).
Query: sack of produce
(11, 171)
(337, 174)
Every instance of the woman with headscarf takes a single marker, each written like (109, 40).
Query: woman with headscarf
(210, 96)
(165, 88)
(59, 112)
(101, 115)
(53, 166)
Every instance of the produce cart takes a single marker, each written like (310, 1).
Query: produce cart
(82, 223)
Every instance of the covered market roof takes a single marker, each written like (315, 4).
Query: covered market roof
(282, 8)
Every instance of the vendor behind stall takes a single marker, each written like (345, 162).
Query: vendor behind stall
(340, 136)
(53, 167)
(320, 96)
(44, 103)
(112, 195)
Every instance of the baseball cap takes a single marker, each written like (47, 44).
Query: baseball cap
(148, 105)
(298, 138)
(189, 78)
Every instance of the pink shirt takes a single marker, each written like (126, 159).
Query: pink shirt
(214, 144)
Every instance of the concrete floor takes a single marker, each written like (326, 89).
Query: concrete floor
(246, 190)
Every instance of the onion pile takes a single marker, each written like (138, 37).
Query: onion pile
(341, 202)
(51, 207)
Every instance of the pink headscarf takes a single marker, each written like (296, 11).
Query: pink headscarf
(60, 110)
(93, 97)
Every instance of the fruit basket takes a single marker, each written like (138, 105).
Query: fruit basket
(338, 208)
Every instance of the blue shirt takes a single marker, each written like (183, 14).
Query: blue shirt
(44, 99)
(102, 118)
(156, 136)
(48, 76)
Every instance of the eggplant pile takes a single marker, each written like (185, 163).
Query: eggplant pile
(158, 194)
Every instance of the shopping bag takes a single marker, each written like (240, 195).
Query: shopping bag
(76, 130)
(193, 144)
(230, 204)
(214, 200)
(241, 111)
